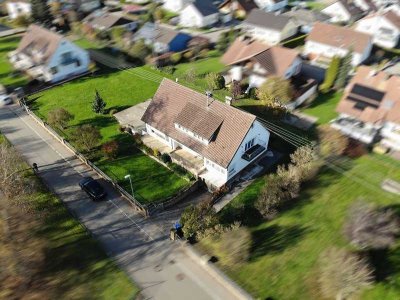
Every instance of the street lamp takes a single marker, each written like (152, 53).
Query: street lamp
(130, 180)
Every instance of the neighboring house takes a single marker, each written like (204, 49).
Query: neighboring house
(385, 28)
(257, 61)
(199, 14)
(326, 41)
(306, 18)
(104, 20)
(343, 11)
(370, 108)
(269, 27)
(238, 8)
(134, 9)
(162, 39)
(175, 5)
(211, 139)
(48, 56)
(272, 5)
(85, 6)
(16, 8)
(366, 5)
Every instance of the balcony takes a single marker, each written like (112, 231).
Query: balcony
(355, 129)
(253, 152)
(193, 163)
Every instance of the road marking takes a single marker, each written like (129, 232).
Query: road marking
(80, 173)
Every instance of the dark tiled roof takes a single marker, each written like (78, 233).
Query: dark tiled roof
(267, 20)
(205, 7)
(169, 102)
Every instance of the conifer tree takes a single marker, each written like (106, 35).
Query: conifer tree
(98, 104)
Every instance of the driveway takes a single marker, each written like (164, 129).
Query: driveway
(139, 246)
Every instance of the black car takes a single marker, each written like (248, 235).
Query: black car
(92, 188)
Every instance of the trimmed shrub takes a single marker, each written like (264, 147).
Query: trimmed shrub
(176, 57)
(188, 55)
(110, 149)
(156, 153)
(165, 158)
(330, 75)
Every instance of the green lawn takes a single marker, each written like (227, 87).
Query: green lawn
(7, 78)
(120, 90)
(75, 266)
(323, 107)
(285, 250)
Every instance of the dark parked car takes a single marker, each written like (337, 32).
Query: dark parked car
(92, 188)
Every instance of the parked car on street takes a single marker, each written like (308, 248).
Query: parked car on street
(5, 99)
(93, 188)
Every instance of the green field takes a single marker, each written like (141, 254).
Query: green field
(7, 78)
(285, 250)
(323, 107)
(120, 90)
(75, 266)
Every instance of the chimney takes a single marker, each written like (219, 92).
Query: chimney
(209, 96)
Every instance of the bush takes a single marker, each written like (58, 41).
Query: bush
(86, 136)
(176, 57)
(188, 55)
(215, 81)
(203, 53)
(59, 117)
(165, 158)
(196, 219)
(168, 69)
(190, 75)
(330, 75)
(237, 245)
(355, 149)
(110, 149)
(253, 93)
(113, 111)
(156, 153)
(332, 142)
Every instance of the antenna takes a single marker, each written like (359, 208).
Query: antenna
(209, 95)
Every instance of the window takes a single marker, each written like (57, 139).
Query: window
(66, 58)
(249, 144)
(78, 63)
(53, 70)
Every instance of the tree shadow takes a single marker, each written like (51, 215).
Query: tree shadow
(386, 263)
(274, 238)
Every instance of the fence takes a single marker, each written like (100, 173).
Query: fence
(142, 208)
(145, 209)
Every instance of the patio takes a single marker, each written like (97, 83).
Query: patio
(155, 143)
(193, 163)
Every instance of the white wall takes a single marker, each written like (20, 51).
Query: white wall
(261, 136)
(190, 17)
(16, 9)
(262, 34)
(270, 5)
(375, 26)
(65, 71)
(391, 135)
(337, 13)
(312, 47)
(175, 5)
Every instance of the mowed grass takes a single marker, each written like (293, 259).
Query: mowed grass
(285, 250)
(324, 107)
(7, 78)
(120, 90)
(75, 266)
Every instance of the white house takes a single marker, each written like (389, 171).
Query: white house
(199, 14)
(175, 5)
(16, 8)
(370, 108)
(271, 5)
(48, 56)
(326, 41)
(343, 11)
(385, 28)
(213, 140)
(269, 27)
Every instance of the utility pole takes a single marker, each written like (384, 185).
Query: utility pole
(130, 180)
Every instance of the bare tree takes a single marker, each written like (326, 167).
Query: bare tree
(270, 197)
(332, 142)
(367, 227)
(237, 244)
(275, 91)
(306, 162)
(87, 137)
(342, 274)
(59, 117)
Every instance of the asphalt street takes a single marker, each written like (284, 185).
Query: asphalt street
(140, 246)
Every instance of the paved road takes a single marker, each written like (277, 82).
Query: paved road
(140, 246)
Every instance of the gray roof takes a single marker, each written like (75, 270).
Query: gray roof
(205, 7)
(306, 16)
(267, 20)
(157, 33)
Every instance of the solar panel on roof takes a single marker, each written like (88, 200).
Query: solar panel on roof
(367, 92)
